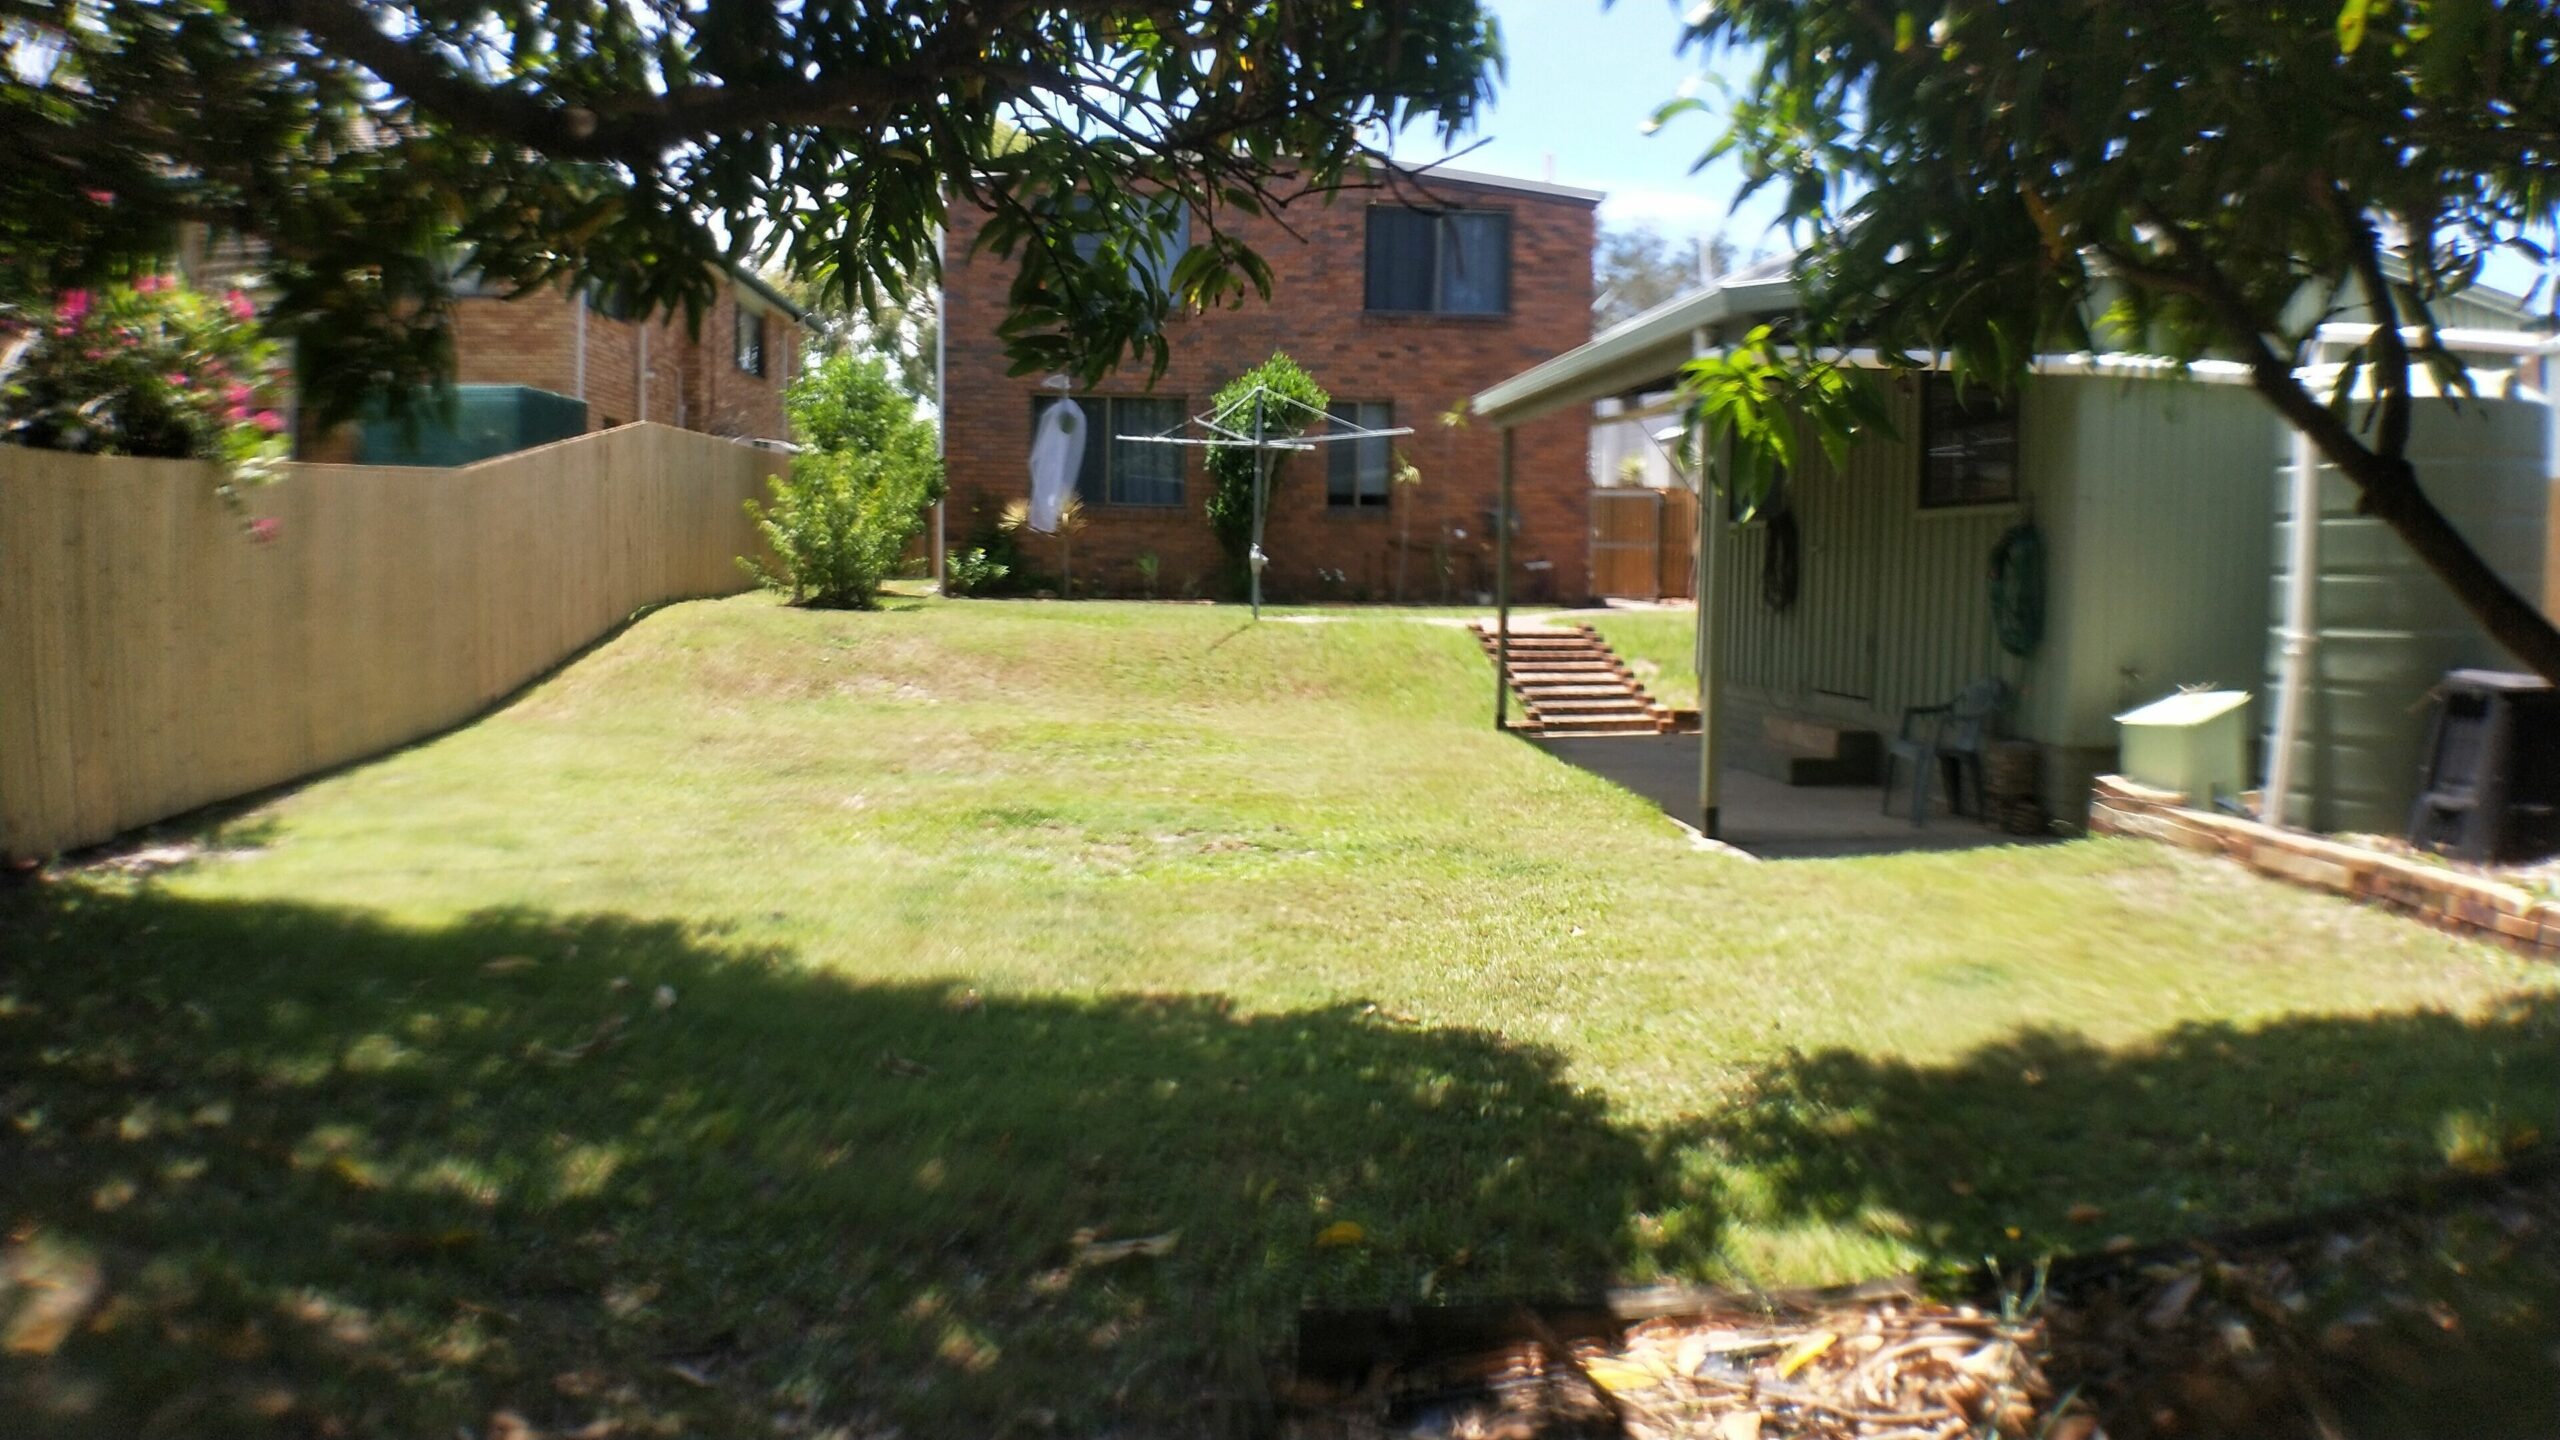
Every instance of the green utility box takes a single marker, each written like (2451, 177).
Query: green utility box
(2195, 742)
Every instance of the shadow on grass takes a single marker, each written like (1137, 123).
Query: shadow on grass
(273, 1169)
(2045, 1143)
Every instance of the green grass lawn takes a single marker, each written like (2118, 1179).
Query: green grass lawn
(736, 1033)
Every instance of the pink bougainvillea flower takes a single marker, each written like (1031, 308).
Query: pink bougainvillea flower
(268, 420)
(100, 197)
(265, 528)
(240, 396)
(239, 305)
(177, 379)
(145, 284)
(74, 305)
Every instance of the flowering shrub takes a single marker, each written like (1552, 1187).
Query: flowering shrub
(152, 368)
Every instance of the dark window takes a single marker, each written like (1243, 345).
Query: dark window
(1455, 262)
(750, 341)
(1356, 471)
(1125, 472)
(1968, 446)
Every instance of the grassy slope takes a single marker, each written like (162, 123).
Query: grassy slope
(986, 923)
(1659, 646)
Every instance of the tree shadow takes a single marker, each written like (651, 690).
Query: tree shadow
(2344, 1178)
(277, 1169)
(2045, 1142)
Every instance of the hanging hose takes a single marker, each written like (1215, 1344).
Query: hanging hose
(2017, 589)
(1779, 560)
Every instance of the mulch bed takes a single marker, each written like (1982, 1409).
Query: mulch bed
(2437, 1315)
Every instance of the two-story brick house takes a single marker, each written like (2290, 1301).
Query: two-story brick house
(1399, 313)
(544, 366)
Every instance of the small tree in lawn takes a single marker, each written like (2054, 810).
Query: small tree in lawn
(857, 492)
(1231, 467)
(1016, 521)
(1985, 181)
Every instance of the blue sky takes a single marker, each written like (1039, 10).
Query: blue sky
(1583, 79)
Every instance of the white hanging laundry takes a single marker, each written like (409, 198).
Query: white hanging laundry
(1057, 453)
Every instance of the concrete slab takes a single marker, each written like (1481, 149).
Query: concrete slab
(1761, 815)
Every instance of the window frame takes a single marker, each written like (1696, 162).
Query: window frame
(1098, 492)
(1437, 303)
(1358, 504)
(739, 330)
(2003, 410)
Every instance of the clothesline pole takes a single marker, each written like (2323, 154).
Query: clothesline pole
(1261, 480)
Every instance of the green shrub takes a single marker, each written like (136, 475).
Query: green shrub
(1231, 467)
(973, 572)
(840, 522)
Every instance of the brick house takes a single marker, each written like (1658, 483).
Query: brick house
(1399, 314)
(543, 366)
(552, 364)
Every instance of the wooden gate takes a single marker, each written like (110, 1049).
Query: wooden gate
(1641, 543)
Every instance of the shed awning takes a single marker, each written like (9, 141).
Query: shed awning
(1635, 354)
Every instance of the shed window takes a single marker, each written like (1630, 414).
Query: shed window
(1125, 472)
(1356, 471)
(1968, 446)
(750, 341)
(1454, 262)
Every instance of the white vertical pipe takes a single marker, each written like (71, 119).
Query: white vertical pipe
(1710, 622)
(582, 347)
(644, 372)
(2299, 633)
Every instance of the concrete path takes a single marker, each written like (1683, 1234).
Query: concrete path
(1762, 816)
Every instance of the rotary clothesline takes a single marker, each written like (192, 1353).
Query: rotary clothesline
(1223, 435)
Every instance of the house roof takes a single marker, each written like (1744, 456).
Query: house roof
(1428, 175)
(764, 291)
(1645, 351)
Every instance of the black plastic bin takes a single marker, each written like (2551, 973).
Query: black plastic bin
(2489, 779)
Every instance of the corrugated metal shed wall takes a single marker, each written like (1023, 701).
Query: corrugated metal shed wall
(1893, 609)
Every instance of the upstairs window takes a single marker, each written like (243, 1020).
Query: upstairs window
(1451, 262)
(1125, 472)
(750, 340)
(1968, 446)
(1357, 471)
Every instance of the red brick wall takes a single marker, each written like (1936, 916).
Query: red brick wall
(1422, 365)
(692, 384)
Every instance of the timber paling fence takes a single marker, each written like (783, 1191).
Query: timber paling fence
(154, 659)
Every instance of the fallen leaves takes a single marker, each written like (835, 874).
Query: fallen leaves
(1341, 1234)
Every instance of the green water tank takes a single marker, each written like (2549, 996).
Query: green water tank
(2387, 629)
(2195, 742)
(484, 421)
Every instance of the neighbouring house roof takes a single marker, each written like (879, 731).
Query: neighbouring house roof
(764, 290)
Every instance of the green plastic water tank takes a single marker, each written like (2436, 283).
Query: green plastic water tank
(484, 421)
(2195, 742)
(2387, 628)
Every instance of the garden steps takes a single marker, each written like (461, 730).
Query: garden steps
(1570, 683)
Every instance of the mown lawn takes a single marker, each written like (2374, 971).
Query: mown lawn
(1659, 646)
(735, 1034)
